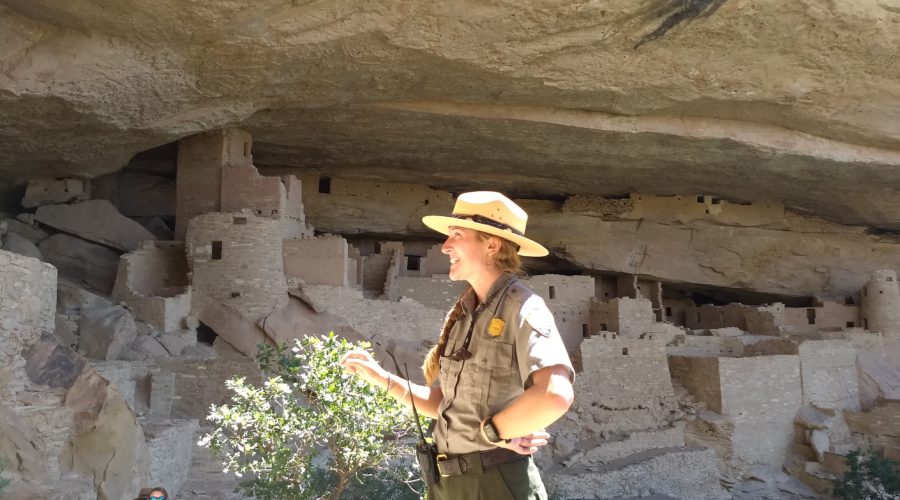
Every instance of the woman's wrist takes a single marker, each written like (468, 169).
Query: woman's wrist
(389, 385)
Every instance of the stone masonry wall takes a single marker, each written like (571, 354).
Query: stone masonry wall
(625, 383)
(322, 260)
(761, 396)
(273, 197)
(152, 281)
(198, 383)
(407, 320)
(829, 374)
(689, 208)
(830, 315)
(243, 187)
(709, 316)
(375, 269)
(435, 262)
(27, 310)
(348, 199)
(766, 320)
(436, 292)
(236, 259)
(201, 158)
(569, 299)
(700, 376)
(625, 316)
(881, 303)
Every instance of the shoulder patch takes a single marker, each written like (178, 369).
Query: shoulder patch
(536, 314)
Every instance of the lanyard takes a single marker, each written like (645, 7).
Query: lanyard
(463, 352)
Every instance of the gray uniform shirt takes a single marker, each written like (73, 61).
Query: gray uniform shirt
(504, 357)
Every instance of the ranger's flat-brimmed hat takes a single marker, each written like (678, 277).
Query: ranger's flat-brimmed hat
(492, 213)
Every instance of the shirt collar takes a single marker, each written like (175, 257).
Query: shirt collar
(493, 295)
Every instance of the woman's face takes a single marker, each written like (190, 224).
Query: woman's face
(468, 253)
(157, 494)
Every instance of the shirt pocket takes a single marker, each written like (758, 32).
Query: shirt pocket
(450, 378)
(500, 376)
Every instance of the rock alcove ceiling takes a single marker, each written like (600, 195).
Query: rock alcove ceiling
(797, 102)
(670, 153)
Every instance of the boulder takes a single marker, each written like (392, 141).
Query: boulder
(176, 342)
(51, 364)
(12, 242)
(97, 221)
(157, 226)
(233, 327)
(104, 331)
(879, 379)
(109, 444)
(27, 231)
(72, 299)
(81, 261)
(136, 194)
(144, 347)
(19, 448)
(812, 418)
(66, 330)
(818, 439)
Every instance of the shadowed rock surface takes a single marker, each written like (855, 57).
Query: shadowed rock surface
(790, 101)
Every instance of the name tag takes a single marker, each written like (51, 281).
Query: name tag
(496, 327)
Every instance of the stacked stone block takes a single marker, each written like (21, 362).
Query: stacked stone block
(881, 303)
(153, 282)
(323, 260)
(236, 259)
(27, 310)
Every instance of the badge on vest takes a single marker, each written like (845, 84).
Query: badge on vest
(496, 327)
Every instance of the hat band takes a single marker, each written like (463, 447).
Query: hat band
(489, 222)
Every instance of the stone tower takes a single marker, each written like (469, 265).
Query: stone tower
(881, 303)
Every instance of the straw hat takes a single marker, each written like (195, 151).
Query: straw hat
(491, 213)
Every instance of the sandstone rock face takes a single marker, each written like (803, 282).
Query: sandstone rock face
(584, 98)
(95, 220)
(110, 445)
(832, 263)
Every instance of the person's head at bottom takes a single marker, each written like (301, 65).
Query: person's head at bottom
(158, 493)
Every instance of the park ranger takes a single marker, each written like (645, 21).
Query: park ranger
(499, 374)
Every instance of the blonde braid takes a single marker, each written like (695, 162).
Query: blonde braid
(432, 365)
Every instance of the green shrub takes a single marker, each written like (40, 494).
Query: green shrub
(313, 431)
(3, 482)
(869, 477)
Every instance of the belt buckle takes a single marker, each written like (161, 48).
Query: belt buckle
(441, 456)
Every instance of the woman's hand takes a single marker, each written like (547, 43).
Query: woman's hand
(364, 366)
(526, 445)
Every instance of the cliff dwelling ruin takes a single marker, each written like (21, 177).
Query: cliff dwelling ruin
(724, 227)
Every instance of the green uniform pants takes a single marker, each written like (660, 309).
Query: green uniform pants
(519, 480)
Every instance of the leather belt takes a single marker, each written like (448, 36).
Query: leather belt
(460, 464)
